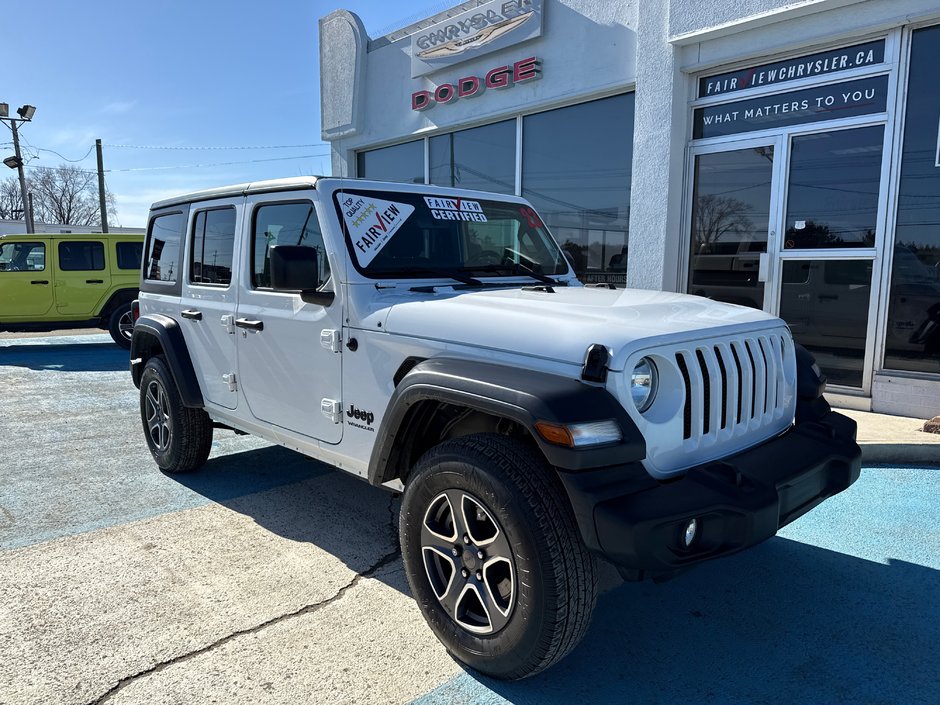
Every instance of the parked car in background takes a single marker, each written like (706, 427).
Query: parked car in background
(69, 281)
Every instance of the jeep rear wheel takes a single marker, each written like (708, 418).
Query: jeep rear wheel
(494, 557)
(121, 325)
(179, 437)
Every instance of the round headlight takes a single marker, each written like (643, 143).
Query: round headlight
(643, 384)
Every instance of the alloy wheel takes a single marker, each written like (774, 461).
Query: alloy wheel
(468, 561)
(157, 410)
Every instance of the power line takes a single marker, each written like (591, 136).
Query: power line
(167, 147)
(185, 166)
(199, 166)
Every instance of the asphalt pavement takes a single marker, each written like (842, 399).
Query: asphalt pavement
(270, 578)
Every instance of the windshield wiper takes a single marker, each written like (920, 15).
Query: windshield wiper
(514, 269)
(434, 272)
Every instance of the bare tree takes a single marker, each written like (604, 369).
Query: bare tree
(66, 194)
(715, 216)
(11, 199)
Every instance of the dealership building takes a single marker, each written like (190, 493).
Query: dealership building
(780, 155)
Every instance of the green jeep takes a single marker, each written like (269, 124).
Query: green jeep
(69, 281)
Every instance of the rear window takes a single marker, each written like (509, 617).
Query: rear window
(129, 254)
(407, 234)
(81, 256)
(163, 247)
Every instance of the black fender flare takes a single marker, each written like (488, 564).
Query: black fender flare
(523, 396)
(118, 298)
(157, 332)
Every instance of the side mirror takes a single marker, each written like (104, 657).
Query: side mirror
(297, 268)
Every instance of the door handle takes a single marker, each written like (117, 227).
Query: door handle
(94, 281)
(192, 315)
(40, 281)
(245, 323)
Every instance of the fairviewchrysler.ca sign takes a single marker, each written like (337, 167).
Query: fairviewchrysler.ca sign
(483, 29)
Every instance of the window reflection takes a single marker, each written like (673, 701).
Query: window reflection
(825, 303)
(164, 250)
(400, 162)
(213, 242)
(913, 333)
(730, 217)
(482, 158)
(832, 198)
(576, 167)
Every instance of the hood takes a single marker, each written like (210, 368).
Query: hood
(561, 325)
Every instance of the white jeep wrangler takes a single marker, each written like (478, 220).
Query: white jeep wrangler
(439, 339)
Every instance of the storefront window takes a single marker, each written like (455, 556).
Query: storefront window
(832, 199)
(482, 158)
(576, 168)
(400, 162)
(913, 332)
(730, 214)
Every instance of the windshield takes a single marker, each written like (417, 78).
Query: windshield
(409, 235)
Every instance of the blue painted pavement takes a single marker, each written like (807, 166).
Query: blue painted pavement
(842, 607)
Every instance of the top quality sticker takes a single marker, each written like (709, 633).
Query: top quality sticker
(371, 223)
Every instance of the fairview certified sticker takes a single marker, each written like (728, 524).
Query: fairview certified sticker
(455, 209)
(371, 223)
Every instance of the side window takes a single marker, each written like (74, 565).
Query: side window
(284, 224)
(22, 257)
(128, 254)
(81, 256)
(211, 252)
(163, 247)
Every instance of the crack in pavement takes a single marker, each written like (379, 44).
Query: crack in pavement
(384, 561)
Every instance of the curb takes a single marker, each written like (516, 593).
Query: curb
(900, 453)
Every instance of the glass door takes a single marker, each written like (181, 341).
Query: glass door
(822, 192)
(733, 207)
(823, 282)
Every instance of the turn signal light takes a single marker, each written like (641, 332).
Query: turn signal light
(580, 435)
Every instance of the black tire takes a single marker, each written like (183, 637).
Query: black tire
(179, 438)
(555, 586)
(121, 325)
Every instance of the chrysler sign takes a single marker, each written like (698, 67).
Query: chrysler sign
(486, 28)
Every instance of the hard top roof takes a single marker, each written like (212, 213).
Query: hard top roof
(294, 182)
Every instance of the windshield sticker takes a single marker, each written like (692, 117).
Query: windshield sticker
(455, 209)
(371, 223)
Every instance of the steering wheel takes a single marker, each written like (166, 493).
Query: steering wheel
(486, 257)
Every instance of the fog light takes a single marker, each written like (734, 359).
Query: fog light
(691, 530)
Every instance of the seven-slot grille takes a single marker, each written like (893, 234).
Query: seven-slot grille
(733, 385)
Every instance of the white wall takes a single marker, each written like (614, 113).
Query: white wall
(587, 47)
(9, 227)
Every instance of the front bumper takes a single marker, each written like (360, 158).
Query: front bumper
(638, 523)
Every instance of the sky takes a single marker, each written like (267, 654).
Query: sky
(167, 73)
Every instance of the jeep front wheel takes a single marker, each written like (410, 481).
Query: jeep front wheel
(493, 556)
(179, 437)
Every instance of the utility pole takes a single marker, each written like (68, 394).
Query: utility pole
(102, 201)
(27, 211)
(25, 113)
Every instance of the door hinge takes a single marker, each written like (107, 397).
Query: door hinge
(331, 340)
(229, 379)
(332, 409)
(228, 322)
